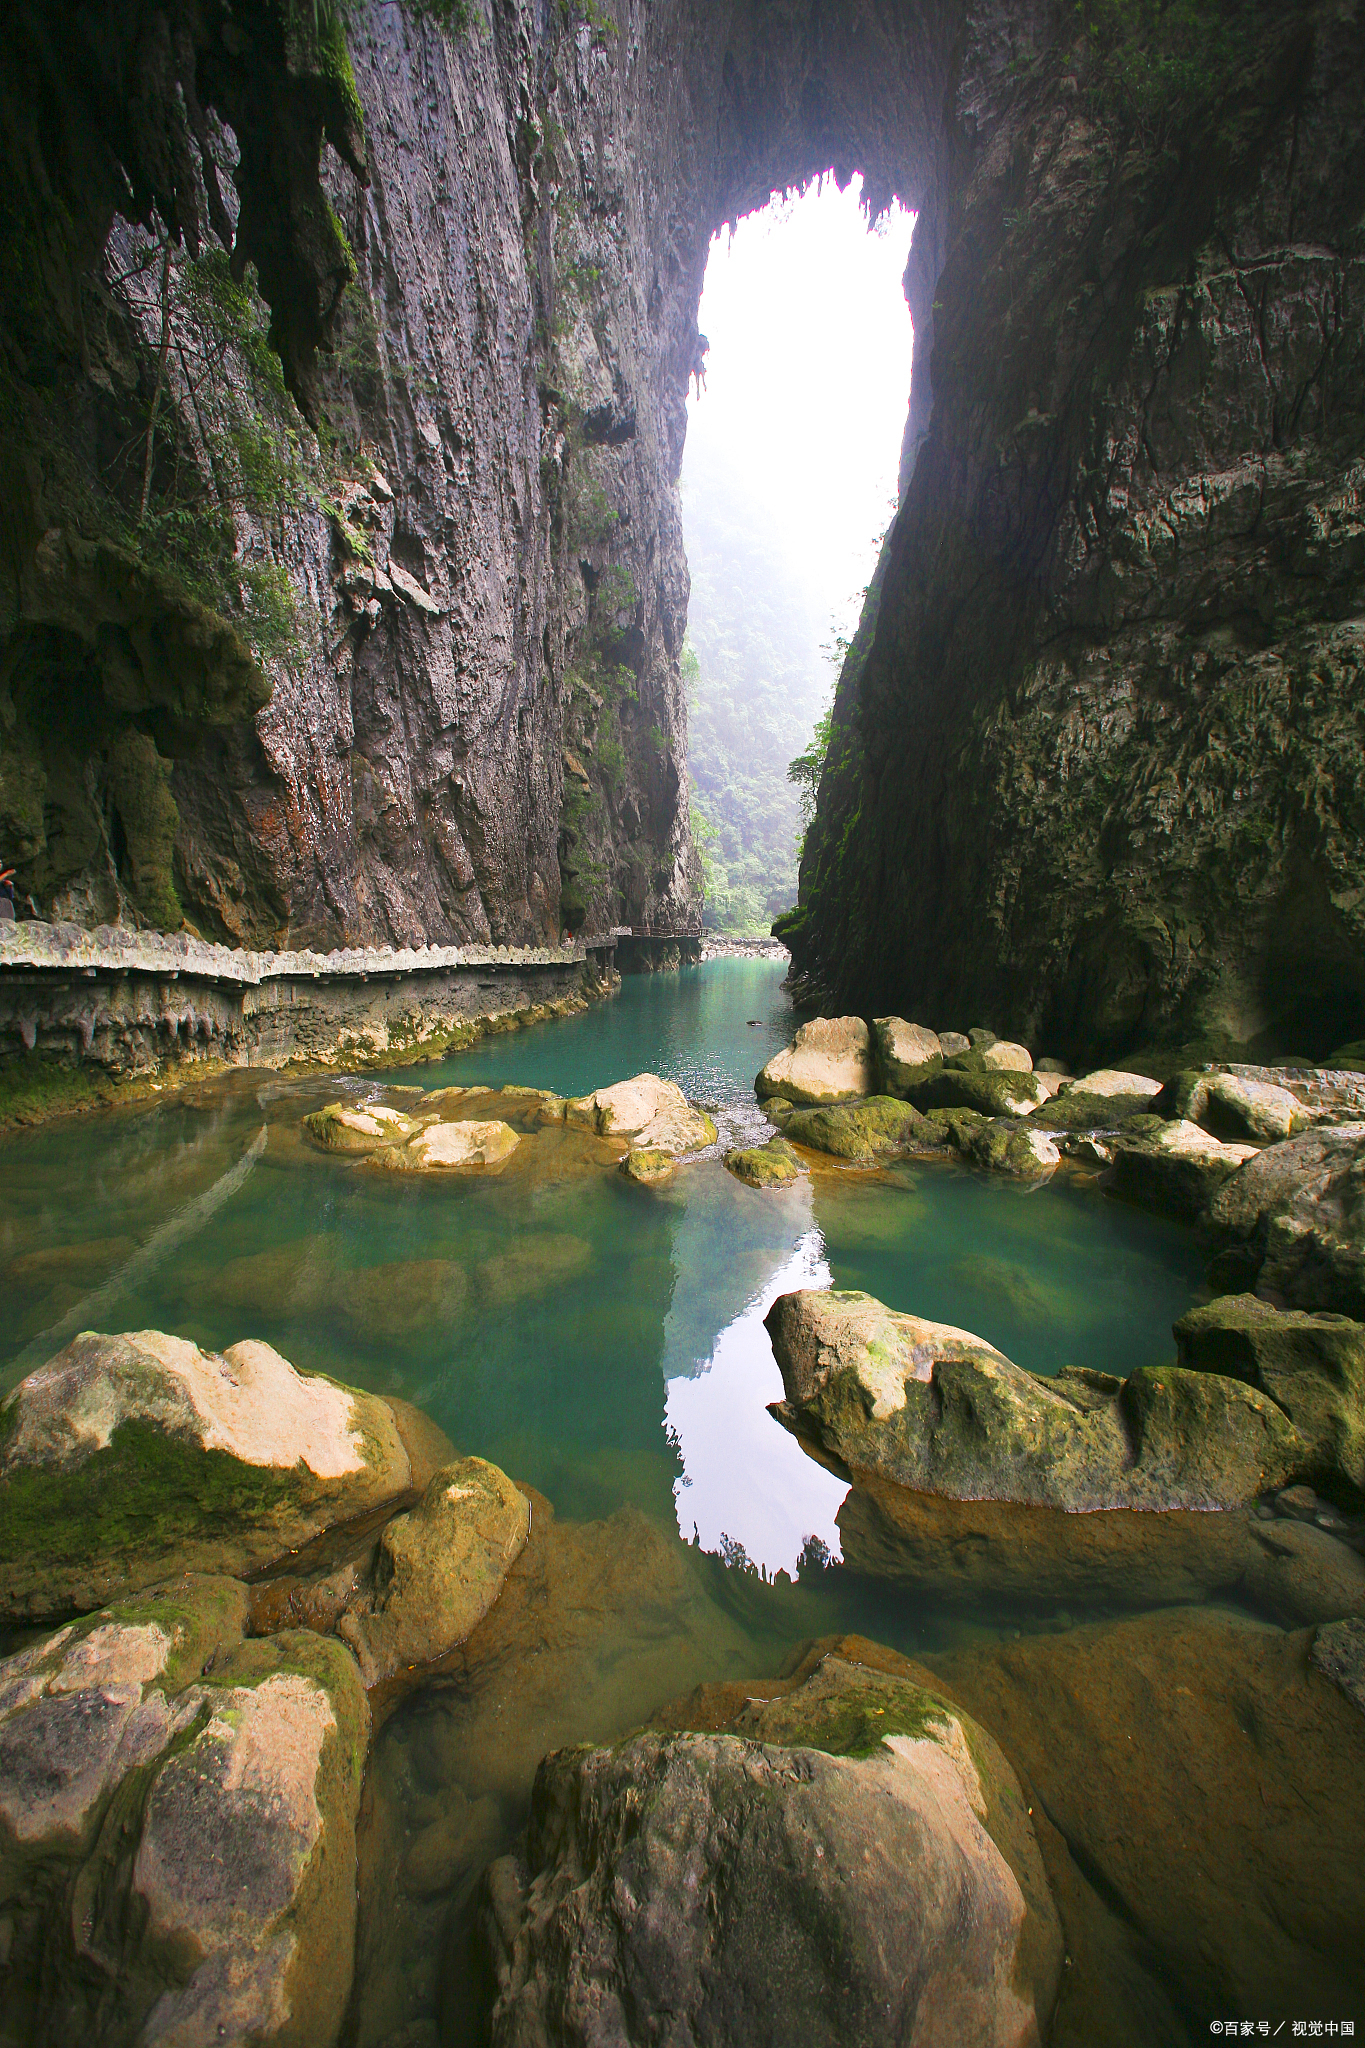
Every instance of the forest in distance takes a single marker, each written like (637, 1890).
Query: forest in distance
(759, 666)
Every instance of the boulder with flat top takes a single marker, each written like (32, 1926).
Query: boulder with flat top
(829, 1060)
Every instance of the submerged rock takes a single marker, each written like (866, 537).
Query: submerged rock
(1292, 1221)
(184, 1803)
(1311, 1365)
(906, 1053)
(126, 1459)
(1175, 1170)
(1339, 1654)
(858, 1854)
(857, 1131)
(653, 1114)
(829, 1060)
(938, 1410)
(438, 1569)
(773, 1165)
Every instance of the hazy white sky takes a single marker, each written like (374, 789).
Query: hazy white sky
(808, 380)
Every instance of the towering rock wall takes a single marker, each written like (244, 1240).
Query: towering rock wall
(1099, 763)
(383, 642)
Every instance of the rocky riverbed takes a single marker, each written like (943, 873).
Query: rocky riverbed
(224, 1577)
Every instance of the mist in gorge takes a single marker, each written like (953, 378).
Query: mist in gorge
(788, 483)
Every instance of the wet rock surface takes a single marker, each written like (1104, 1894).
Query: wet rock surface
(855, 1853)
(1292, 1222)
(774, 1165)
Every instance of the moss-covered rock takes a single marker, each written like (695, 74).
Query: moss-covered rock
(1313, 1366)
(127, 1459)
(856, 1131)
(438, 1569)
(773, 1165)
(197, 1792)
(1005, 1148)
(807, 1827)
(937, 1410)
(1078, 1110)
(359, 1127)
(990, 1094)
(648, 1167)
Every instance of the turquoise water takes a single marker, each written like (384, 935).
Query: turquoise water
(603, 1343)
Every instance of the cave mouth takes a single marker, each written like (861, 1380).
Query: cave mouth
(796, 423)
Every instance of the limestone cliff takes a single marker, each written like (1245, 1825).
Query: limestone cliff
(1099, 761)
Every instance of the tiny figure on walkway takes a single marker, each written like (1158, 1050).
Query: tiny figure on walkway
(7, 911)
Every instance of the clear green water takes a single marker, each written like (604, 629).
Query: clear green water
(602, 1342)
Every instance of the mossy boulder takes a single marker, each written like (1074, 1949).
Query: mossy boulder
(1002, 1147)
(438, 1569)
(359, 1127)
(125, 1460)
(198, 1793)
(806, 1829)
(1077, 1110)
(856, 1131)
(937, 1410)
(957, 1086)
(773, 1165)
(829, 1060)
(647, 1167)
(1311, 1365)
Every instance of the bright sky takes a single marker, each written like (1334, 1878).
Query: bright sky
(808, 380)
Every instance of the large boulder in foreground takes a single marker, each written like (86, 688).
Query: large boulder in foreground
(938, 1410)
(653, 1114)
(1292, 1222)
(829, 1060)
(438, 1569)
(1311, 1365)
(127, 1459)
(856, 1863)
(177, 1827)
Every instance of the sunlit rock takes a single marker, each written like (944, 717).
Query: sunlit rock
(663, 1878)
(1113, 1081)
(464, 1144)
(653, 1114)
(906, 1053)
(829, 1060)
(125, 1459)
(1236, 1106)
(647, 1167)
(1175, 1170)
(349, 1127)
(438, 1569)
(1002, 1056)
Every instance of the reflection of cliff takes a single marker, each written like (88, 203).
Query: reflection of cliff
(1101, 774)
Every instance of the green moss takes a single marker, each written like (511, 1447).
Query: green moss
(147, 1494)
(854, 1130)
(854, 1719)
